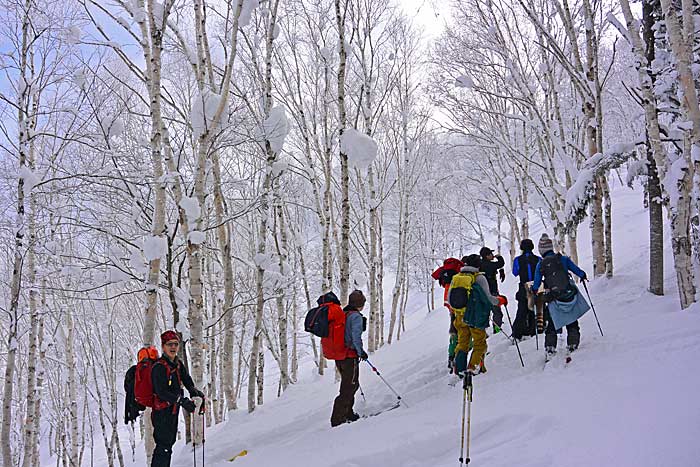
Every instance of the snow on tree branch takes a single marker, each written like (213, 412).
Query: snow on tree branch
(582, 191)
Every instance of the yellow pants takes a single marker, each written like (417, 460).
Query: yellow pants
(478, 338)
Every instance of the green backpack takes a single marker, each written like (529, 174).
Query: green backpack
(478, 308)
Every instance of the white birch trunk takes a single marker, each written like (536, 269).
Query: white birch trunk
(271, 156)
(340, 12)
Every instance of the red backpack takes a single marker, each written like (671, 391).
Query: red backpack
(143, 386)
(333, 345)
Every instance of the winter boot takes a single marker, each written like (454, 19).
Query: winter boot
(474, 370)
(353, 417)
(550, 350)
(460, 362)
(572, 347)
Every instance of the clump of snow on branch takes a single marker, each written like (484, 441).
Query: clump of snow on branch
(583, 189)
(154, 247)
(360, 148)
(196, 237)
(675, 173)
(30, 179)
(247, 12)
(279, 167)
(275, 128)
(191, 207)
(204, 109)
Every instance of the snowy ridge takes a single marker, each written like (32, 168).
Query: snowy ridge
(627, 399)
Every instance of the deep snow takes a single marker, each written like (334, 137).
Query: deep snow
(627, 399)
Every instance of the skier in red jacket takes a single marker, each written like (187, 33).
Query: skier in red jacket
(443, 275)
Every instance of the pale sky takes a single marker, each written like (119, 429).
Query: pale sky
(430, 14)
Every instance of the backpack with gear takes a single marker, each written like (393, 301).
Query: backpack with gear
(460, 289)
(138, 387)
(557, 279)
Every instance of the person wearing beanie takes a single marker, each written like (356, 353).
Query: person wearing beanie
(168, 376)
(349, 367)
(565, 304)
(545, 244)
(524, 266)
(491, 265)
(471, 323)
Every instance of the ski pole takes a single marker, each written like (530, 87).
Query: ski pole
(592, 307)
(468, 387)
(202, 412)
(361, 392)
(385, 382)
(516, 341)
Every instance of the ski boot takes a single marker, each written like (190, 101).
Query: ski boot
(572, 347)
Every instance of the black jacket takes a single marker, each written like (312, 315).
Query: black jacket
(170, 389)
(490, 269)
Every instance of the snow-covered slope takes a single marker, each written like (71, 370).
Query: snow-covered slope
(629, 398)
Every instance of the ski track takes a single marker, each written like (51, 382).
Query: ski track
(626, 399)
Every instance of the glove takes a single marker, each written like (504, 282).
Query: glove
(502, 274)
(187, 404)
(363, 355)
(502, 301)
(585, 277)
(196, 393)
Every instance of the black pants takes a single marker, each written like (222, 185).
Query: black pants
(349, 370)
(573, 333)
(497, 316)
(525, 322)
(165, 434)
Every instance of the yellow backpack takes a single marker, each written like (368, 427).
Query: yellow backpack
(460, 290)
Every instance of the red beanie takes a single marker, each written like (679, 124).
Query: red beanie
(169, 336)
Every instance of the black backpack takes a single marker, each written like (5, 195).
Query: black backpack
(446, 277)
(132, 409)
(557, 279)
(316, 321)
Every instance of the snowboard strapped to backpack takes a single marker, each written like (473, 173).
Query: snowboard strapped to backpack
(557, 279)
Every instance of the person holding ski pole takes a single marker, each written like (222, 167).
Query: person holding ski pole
(524, 268)
(443, 275)
(565, 304)
(344, 345)
(491, 265)
(472, 303)
(168, 376)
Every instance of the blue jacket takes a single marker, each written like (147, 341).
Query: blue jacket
(354, 324)
(565, 260)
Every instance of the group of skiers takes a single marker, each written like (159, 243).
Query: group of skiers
(547, 297)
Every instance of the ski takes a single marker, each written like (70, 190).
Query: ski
(374, 414)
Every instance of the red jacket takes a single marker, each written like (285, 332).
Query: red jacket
(333, 346)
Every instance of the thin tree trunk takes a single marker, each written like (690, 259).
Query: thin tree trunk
(271, 156)
(344, 172)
